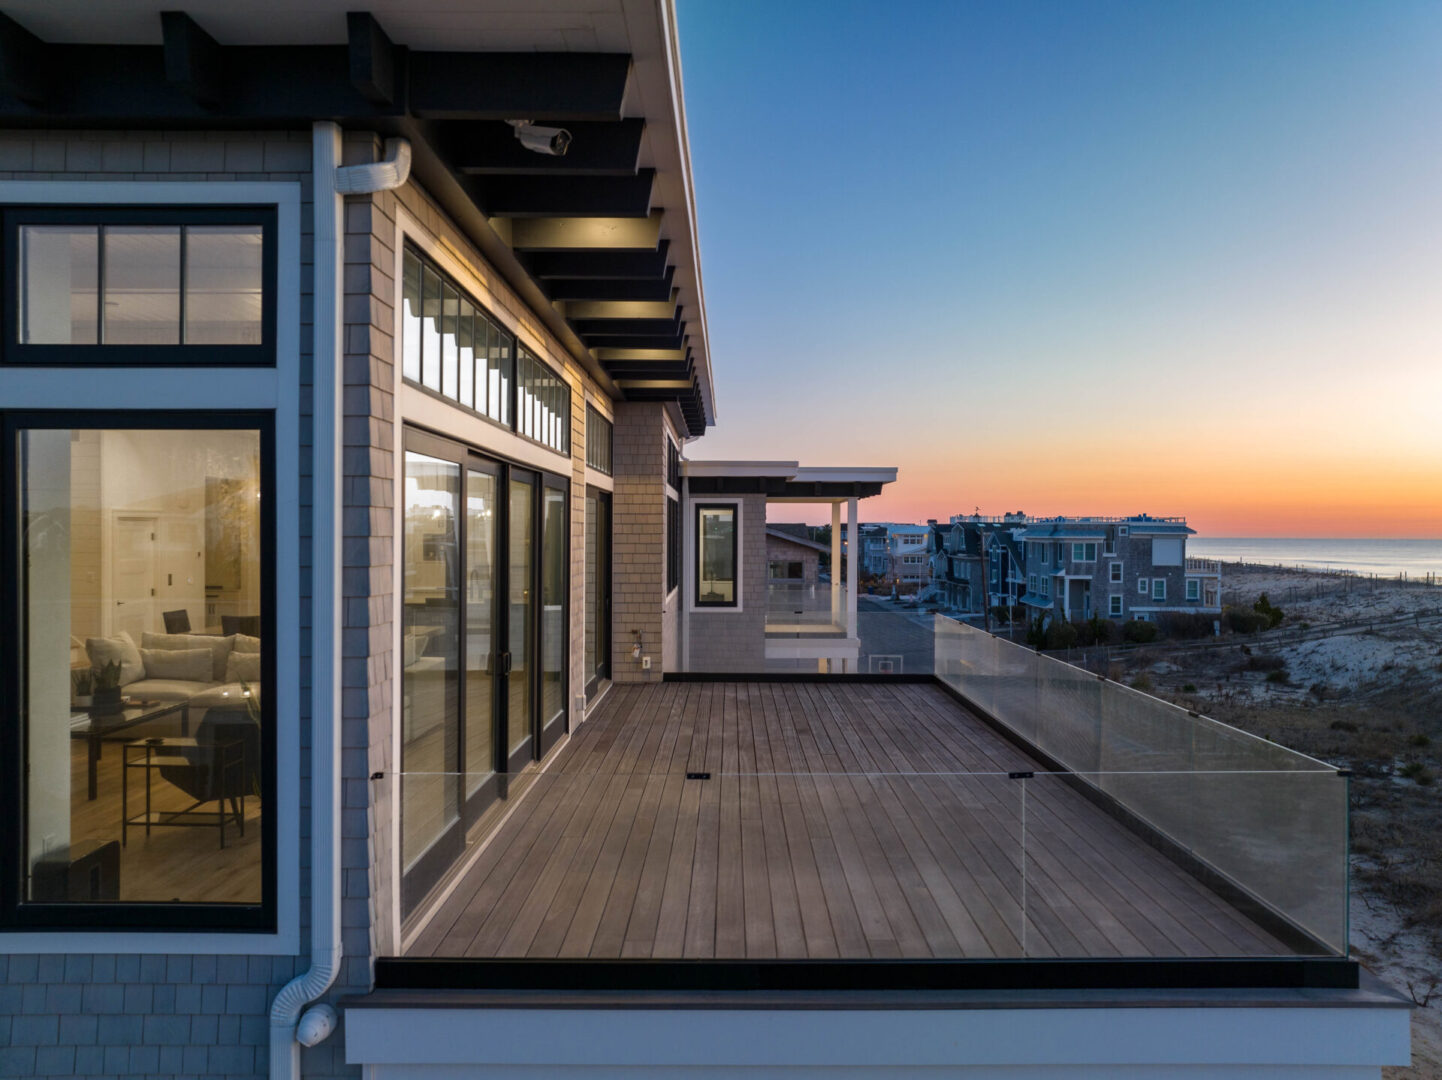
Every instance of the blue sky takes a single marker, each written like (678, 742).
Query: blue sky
(1057, 256)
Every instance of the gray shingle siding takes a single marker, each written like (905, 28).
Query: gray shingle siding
(109, 1015)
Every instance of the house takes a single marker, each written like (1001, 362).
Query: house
(875, 549)
(908, 568)
(959, 566)
(1121, 568)
(384, 696)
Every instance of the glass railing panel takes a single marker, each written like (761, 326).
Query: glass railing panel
(1195, 863)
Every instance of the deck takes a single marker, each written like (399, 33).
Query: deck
(836, 822)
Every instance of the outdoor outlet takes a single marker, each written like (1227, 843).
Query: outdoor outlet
(645, 663)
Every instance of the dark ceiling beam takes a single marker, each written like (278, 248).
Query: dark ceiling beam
(617, 289)
(194, 61)
(600, 264)
(25, 66)
(490, 148)
(604, 328)
(634, 341)
(518, 85)
(650, 371)
(565, 196)
(372, 58)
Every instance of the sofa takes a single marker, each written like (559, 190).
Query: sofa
(205, 670)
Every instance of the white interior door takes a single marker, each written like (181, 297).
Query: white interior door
(132, 575)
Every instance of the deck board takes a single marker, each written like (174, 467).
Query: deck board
(840, 820)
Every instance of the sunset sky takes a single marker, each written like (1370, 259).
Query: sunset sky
(1180, 258)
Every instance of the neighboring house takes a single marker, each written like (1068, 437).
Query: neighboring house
(1121, 568)
(959, 566)
(876, 550)
(440, 729)
(793, 560)
(909, 566)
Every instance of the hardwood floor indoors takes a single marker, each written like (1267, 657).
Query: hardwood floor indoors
(172, 863)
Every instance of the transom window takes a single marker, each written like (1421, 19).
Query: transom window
(140, 286)
(598, 441)
(453, 347)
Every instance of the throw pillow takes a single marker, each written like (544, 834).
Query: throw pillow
(219, 648)
(120, 648)
(243, 667)
(183, 665)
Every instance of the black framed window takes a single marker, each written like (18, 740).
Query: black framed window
(673, 465)
(716, 555)
(452, 347)
(543, 403)
(140, 286)
(598, 441)
(137, 699)
(673, 544)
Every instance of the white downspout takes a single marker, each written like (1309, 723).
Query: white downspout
(330, 184)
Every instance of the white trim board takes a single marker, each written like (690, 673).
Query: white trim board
(1152, 1042)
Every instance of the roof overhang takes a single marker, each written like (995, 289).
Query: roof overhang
(583, 238)
(785, 481)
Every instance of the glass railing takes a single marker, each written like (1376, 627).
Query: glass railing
(802, 608)
(1264, 824)
(608, 855)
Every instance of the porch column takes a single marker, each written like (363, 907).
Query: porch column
(835, 563)
(852, 558)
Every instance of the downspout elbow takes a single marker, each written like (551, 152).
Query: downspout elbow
(384, 175)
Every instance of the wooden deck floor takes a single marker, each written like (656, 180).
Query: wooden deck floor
(835, 824)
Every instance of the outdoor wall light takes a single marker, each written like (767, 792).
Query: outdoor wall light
(541, 140)
(636, 645)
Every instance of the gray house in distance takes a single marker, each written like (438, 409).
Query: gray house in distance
(383, 695)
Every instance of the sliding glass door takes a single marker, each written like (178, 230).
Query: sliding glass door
(431, 833)
(520, 618)
(484, 641)
(482, 570)
(597, 664)
(555, 583)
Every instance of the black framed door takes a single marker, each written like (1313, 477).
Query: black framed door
(519, 664)
(481, 639)
(553, 625)
(598, 589)
(484, 641)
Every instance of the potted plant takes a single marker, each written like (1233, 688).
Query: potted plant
(107, 689)
(84, 687)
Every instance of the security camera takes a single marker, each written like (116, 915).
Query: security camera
(541, 140)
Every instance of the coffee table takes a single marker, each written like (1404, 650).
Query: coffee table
(110, 728)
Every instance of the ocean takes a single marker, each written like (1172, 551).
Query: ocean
(1385, 558)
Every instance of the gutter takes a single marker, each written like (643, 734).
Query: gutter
(289, 1029)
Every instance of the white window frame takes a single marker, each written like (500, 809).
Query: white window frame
(1142, 586)
(1115, 604)
(1194, 589)
(1117, 573)
(1082, 545)
(1031, 583)
(213, 389)
(1159, 588)
(688, 547)
(1121, 530)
